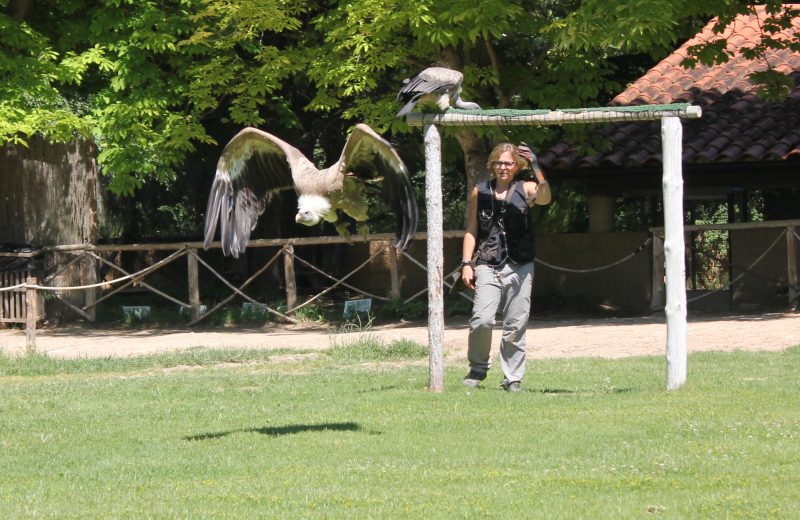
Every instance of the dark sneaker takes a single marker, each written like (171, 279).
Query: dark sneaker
(511, 386)
(473, 379)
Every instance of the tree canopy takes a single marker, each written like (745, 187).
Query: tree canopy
(149, 81)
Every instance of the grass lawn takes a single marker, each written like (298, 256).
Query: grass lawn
(246, 435)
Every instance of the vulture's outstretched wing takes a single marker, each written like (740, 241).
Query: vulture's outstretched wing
(253, 165)
(370, 157)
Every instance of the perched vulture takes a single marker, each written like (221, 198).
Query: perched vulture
(434, 84)
(254, 165)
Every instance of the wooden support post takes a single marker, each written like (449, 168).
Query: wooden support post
(601, 213)
(674, 247)
(291, 283)
(791, 268)
(658, 294)
(31, 314)
(394, 292)
(193, 283)
(89, 277)
(435, 242)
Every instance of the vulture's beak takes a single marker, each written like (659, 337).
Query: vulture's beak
(311, 209)
(306, 218)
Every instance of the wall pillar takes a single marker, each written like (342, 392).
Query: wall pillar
(601, 213)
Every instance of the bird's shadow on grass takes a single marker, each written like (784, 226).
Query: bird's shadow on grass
(580, 391)
(279, 431)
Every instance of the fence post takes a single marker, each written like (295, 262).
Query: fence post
(791, 261)
(31, 313)
(394, 292)
(89, 277)
(193, 283)
(291, 283)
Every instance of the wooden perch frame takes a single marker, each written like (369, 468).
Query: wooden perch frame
(671, 138)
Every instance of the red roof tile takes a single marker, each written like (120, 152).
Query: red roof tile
(736, 125)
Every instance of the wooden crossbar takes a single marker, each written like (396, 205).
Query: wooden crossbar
(507, 117)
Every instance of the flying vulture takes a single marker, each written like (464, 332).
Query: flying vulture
(434, 84)
(255, 165)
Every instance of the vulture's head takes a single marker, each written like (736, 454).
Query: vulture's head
(311, 209)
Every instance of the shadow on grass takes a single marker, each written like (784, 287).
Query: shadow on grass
(382, 388)
(578, 391)
(278, 431)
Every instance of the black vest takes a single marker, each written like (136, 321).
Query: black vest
(503, 226)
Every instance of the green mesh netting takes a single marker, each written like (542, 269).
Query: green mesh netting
(459, 117)
(508, 112)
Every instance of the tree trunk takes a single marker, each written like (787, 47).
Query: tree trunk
(475, 155)
(473, 146)
(20, 9)
(49, 197)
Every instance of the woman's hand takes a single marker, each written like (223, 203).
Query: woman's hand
(527, 152)
(468, 276)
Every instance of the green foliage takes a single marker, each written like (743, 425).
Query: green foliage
(259, 315)
(184, 218)
(398, 309)
(567, 213)
(30, 100)
(772, 85)
(157, 83)
(367, 45)
(622, 26)
(149, 73)
(312, 314)
(632, 214)
(230, 315)
(456, 305)
(254, 315)
(710, 261)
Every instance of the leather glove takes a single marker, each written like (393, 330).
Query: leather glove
(527, 152)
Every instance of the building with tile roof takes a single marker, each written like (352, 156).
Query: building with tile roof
(741, 143)
(742, 149)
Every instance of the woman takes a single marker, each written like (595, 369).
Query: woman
(497, 261)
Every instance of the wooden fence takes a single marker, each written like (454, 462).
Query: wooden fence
(98, 291)
(14, 306)
(789, 234)
(21, 296)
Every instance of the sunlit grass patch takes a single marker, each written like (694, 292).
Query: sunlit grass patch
(357, 341)
(371, 347)
(332, 437)
(37, 364)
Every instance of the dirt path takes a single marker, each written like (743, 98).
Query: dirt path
(610, 338)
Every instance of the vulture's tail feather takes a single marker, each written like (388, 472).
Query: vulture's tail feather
(407, 107)
(408, 225)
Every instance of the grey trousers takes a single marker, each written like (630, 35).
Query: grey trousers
(508, 289)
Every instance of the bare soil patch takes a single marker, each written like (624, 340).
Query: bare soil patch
(547, 338)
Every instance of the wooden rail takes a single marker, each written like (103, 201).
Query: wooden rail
(16, 309)
(265, 242)
(19, 307)
(658, 295)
